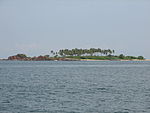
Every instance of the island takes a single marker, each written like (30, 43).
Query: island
(92, 54)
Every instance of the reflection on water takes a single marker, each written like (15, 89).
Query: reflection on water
(74, 87)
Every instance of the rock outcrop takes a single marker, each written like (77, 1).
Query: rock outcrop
(23, 57)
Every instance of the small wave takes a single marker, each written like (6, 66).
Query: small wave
(120, 112)
(5, 101)
(72, 92)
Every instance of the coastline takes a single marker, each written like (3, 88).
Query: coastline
(113, 60)
(76, 60)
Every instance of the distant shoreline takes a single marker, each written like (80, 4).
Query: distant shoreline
(113, 60)
(69, 59)
(91, 54)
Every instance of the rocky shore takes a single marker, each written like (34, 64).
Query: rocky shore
(22, 57)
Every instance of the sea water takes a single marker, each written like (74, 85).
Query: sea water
(74, 87)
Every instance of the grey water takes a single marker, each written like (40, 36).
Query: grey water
(74, 87)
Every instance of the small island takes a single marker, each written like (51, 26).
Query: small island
(92, 54)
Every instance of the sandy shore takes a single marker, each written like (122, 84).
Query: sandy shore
(113, 60)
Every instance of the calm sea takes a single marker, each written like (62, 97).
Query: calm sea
(74, 87)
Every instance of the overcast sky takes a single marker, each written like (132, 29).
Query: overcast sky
(35, 27)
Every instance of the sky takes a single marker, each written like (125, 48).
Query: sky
(35, 27)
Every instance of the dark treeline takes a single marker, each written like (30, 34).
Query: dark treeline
(84, 52)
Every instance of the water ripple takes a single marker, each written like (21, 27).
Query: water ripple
(74, 87)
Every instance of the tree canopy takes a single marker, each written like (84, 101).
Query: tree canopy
(85, 52)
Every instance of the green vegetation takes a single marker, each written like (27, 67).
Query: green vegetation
(106, 57)
(85, 52)
(78, 54)
(21, 55)
(92, 53)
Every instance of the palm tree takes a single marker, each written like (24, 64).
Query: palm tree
(113, 51)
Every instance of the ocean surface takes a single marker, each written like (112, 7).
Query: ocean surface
(74, 87)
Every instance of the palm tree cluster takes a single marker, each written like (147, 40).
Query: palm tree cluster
(84, 52)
